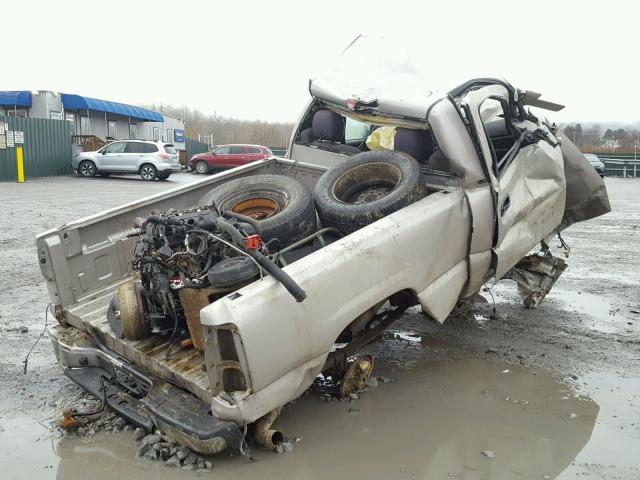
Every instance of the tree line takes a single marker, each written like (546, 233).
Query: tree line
(596, 137)
(219, 130)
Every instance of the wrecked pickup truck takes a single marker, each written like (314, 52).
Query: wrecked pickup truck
(418, 203)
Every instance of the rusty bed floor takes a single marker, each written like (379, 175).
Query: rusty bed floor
(185, 366)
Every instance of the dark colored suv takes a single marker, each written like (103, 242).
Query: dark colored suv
(224, 157)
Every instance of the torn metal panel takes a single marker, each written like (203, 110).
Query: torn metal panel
(586, 192)
(535, 276)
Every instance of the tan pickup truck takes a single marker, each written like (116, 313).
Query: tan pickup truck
(418, 202)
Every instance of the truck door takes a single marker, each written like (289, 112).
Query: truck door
(526, 169)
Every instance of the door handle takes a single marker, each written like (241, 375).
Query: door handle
(506, 203)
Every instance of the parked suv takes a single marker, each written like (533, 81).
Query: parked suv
(148, 159)
(224, 157)
(595, 163)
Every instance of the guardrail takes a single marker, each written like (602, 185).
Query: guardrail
(617, 167)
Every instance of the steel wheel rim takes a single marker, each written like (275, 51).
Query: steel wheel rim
(86, 169)
(258, 208)
(366, 183)
(201, 167)
(147, 173)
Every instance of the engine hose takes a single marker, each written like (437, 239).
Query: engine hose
(246, 219)
(280, 275)
(151, 219)
(274, 270)
(233, 232)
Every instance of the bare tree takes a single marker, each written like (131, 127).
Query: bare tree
(217, 130)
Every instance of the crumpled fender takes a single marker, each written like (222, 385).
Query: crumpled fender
(586, 192)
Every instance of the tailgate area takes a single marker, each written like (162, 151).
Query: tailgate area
(184, 368)
(140, 396)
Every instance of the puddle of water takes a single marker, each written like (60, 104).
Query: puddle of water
(613, 449)
(597, 311)
(596, 308)
(435, 419)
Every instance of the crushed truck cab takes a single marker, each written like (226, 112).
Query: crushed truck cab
(495, 182)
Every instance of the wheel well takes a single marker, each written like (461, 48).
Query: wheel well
(356, 340)
(88, 160)
(402, 298)
(145, 164)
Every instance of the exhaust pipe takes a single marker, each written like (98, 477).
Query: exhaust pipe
(264, 434)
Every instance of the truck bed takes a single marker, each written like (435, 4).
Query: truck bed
(87, 260)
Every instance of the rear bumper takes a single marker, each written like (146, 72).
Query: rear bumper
(157, 405)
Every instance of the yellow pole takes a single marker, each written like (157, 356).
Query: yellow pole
(20, 160)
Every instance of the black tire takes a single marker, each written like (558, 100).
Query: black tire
(164, 176)
(283, 206)
(201, 167)
(366, 187)
(87, 168)
(148, 172)
(233, 272)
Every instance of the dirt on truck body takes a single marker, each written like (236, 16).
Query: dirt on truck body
(423, 205)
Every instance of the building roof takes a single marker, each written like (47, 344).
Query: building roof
(23, 98)
(78, 102)
(17, 98)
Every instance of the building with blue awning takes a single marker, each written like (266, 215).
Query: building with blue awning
(91, 117)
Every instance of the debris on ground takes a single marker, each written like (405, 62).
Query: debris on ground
(105, 421)
(489, 453)
(138, 433)
(152, 446)
(156, 447)
(284, 447)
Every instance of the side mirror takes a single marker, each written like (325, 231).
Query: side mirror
(104, 152)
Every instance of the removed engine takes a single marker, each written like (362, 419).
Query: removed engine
(186, 260)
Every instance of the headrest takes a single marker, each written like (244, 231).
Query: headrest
(328, 125)
(417, 143)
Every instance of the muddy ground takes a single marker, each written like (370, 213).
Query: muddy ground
(546, 393)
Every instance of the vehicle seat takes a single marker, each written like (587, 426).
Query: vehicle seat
(437, 161)
(327, 133)
(417, 143)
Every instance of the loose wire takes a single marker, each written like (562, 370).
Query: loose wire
(44, 330)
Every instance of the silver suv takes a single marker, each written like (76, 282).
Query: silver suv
(148, 159)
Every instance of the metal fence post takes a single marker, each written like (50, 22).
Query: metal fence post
(20, 160)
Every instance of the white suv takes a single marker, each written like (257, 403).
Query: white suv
(148, 159)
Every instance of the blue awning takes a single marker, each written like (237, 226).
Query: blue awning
(18, 98)
(76, 102)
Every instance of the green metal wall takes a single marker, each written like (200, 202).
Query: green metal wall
(46, 149)
(194, 147)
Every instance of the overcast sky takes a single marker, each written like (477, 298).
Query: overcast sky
(253, 60)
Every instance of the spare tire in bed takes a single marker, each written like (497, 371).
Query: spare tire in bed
(367, 187)
(282, 206)
(233, 272)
